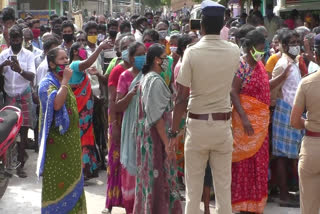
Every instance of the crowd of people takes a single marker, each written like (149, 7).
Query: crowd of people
(164, 107)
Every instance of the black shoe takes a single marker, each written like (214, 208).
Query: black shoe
(21, 173)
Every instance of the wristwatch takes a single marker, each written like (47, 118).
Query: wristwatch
(172, 134)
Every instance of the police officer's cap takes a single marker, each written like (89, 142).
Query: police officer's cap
(317, 42)
(211, 8)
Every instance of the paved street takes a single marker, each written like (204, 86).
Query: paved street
(24, 195)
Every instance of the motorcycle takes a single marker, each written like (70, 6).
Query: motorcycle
(10, 124)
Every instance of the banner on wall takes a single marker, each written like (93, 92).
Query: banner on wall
(43, 15)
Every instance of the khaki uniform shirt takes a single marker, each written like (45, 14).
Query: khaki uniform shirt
(208, 68)
(308, 97)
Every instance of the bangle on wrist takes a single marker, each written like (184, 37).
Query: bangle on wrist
(172, 134)
(21, 72)
(64, 86)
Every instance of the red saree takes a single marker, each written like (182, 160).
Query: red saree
(250, 171)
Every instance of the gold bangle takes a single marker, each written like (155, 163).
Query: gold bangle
(64, 86)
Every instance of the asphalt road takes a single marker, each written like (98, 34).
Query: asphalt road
(24, 195)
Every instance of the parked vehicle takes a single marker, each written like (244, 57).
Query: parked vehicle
(10, 124)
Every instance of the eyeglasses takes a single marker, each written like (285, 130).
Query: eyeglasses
(163, 58)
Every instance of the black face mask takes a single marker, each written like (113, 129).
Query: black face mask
(113, 33)
(68, 37)
(16, 47)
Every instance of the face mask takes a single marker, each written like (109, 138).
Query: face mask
(82, 54)
(113, 33)
(36, 33)
(148, 45)
(257, 55)
(139, 62)
(60, 69)
(92, 39)
(16, 47)
(163, 34)
(125, 55)
(68, 37)
(294, 50)
(150, 21)
(101, 37)
(165, 64)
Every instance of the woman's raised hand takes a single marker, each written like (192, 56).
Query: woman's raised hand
(67, 74)
(106, 44)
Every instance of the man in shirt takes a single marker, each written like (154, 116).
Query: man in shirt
(8, 19)
(141, 25)
(208, 78)
(17, 67)
(98, 81)
(271, 22)
(67, 35)
(35, 27)
(28, 37)
(285, 139)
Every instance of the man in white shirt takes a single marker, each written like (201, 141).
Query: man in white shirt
(17, 67)
(141, 25)
(286, 140)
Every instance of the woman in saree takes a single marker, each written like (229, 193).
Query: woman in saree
(251, 99)
(59, 160)
(127, 103)
(80, 84)
(156, 188)
(250, 120)
(114, 196)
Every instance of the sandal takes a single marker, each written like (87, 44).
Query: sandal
(288, 203)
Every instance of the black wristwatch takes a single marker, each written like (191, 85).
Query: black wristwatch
(172, 134)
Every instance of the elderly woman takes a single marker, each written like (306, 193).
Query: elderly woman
(59, 160)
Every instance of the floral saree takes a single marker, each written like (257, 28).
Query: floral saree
(156, 188)
(251, 153)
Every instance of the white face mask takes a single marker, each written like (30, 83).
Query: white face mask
(294, 50)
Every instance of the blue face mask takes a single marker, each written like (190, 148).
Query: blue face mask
(139, 62)
(125, 55)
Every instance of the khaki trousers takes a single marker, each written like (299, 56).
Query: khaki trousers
(208, 140)
(309, 175)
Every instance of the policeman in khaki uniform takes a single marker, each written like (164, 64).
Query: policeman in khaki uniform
(207, 70)
(308, 97)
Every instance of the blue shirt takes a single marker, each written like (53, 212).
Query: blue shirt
(77, 75)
